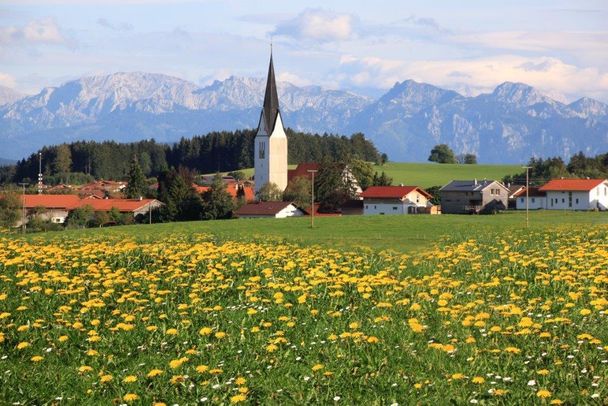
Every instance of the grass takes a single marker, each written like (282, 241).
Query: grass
(431, 174)
(497, 315)
(399, 233)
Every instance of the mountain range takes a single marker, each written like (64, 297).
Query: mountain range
(509, 125)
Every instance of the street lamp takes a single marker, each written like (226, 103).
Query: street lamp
(312, 197)
(527, 168)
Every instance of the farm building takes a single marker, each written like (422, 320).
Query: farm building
(56, 208)
(395, 200)
(269, 210)
(513, 192)
(473, 196)
(576, 194)
(536, 199)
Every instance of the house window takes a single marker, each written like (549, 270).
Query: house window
(563, 200)
(577, 200)
(394, 207)
(262, 150)
(532, 200)
(521, 200)
(366, 206)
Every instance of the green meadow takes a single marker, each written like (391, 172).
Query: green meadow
(432, 174)
(398, 233)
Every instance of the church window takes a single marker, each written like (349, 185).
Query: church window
(262, 150)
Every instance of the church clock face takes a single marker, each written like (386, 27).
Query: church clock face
(262, 150)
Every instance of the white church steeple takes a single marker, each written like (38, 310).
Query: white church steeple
(270, 148)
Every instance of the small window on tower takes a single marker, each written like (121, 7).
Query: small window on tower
(262, 150)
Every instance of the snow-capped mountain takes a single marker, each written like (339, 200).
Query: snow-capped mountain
(510, 124)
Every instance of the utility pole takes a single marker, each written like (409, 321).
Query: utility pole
(527, 168)
(23, 184)
(312, 197)
(39, 172)
(150, 213)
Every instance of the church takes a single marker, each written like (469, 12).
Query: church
(270, 148)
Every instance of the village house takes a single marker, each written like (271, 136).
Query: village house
(473, 197)
(269, 210)
(396, 200)
(56, 208)
(536, 199)
(513, 193)
(576, 194)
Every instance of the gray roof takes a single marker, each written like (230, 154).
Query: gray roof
(469, 185)
(271, 100)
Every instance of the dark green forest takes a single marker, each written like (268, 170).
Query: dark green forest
(213, 152)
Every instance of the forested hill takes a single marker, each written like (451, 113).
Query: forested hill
(216, 151)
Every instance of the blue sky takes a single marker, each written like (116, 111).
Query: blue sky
(561, 47)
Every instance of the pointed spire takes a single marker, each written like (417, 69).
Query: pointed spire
(271, 98)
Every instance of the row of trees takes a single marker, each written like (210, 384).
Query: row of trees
(82, 161)
(443, 154)
(579, 166)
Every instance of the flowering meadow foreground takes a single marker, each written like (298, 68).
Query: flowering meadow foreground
(189, 318)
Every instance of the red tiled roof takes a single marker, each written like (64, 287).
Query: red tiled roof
(302, 170)
(391, 192)
(70, 202)
(123, 205)
(575, 185)
(66, 202)
(262, 208)
(199, 189)
(534, 192)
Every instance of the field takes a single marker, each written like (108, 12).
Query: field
(226, 312)
(431, 174)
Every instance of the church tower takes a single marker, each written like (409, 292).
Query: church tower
(270, 148)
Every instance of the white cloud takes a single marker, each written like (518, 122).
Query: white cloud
(293, 79)
(7, 80)
(474, 76)
(37, 31)
(319, 25)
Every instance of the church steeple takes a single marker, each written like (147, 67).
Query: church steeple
(271, 99)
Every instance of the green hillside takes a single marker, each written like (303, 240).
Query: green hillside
(432, 174)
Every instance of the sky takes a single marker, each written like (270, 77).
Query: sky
(560, 47)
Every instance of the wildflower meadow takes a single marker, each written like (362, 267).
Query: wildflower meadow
(186, 319)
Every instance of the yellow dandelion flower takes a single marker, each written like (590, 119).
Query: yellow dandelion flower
(478, 380)
(317, 367)
(238, 398)
(129, 379)
(130, 397)
(240, 381)
(154, 372)
(37, 358)
(201, 369)
(543, 393)
(205, 331)
(23, 345)
(105, 378)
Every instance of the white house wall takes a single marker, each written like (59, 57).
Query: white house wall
(536, 202)
(596, 198)
(289, 211)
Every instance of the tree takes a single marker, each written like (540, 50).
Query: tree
(269, 192)
(238, 175)
(80, 217)
(383, 159)
(363, 172)
(470, 159)
(333, 189)
(442, 154)
(10, 209)
(382, 180)
(63, 159)
(217, 202)
(298, 191)
(181, 201)
(137, 182)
